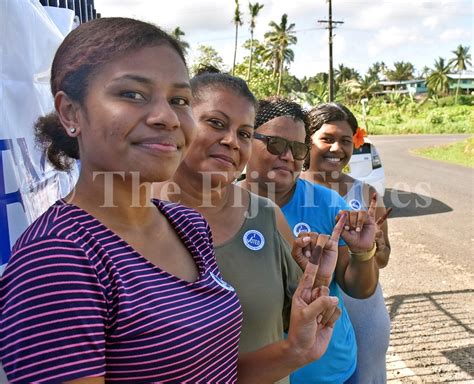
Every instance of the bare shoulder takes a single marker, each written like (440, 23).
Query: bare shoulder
(283, 226)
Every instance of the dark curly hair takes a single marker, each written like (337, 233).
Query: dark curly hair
(78, 59)
(273, 107)
(210, 77)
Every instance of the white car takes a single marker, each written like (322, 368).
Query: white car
(366, 166)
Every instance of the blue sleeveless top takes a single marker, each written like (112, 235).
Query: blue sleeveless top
(314, 208)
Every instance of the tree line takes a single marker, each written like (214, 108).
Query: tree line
(266, 67)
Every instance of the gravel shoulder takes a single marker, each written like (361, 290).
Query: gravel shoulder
(429, 283)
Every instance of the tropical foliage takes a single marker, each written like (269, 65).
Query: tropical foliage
(401, 71)
(438, 80)
(277, 50)
(178, 34)
(254, 10)
(266, 67)
(462, 58)
(237, 20)
(207, 56)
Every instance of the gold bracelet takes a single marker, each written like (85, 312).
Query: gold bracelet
(364, 256)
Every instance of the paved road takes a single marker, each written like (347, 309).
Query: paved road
(429, 282)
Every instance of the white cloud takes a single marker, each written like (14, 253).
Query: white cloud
(392, 37)
(431, 22)
(453, 34)
(383, 30)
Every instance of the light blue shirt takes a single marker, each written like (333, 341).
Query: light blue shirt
(314, 208)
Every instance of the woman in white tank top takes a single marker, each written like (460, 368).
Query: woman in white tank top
(333, 127)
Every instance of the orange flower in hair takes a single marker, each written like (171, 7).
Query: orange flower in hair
(358, 137)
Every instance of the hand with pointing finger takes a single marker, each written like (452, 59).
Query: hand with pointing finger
(304, 247)
(360, 228)
(313, 314)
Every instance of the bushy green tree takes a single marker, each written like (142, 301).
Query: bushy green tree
(207, 55)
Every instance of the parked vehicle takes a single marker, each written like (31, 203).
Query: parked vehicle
(366, 165)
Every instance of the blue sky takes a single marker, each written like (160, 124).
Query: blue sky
(418, 31)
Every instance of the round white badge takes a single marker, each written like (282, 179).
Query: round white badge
(222, 283)
(254, 240)
(355, 204)
(301, 227)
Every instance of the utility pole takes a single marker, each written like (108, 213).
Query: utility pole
(330, 27)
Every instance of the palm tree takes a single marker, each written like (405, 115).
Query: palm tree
(178, 34)
(438, 80)
(237, 20)
(425, 72)
(344, 73)
(278, 39)
(367, 86)
(377, 70)
(254, 10)
(402, 71)
(458, 63)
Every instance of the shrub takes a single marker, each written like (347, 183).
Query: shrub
(395, 117)
(436, 117)
(466, 100)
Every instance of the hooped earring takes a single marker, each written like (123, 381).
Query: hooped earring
(72, 130)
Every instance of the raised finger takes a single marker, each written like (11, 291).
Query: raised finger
(340, 214)
(336, 232)
(316, 253)
(382, 218)
(372, 205)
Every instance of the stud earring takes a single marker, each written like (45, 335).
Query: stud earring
(72, 130)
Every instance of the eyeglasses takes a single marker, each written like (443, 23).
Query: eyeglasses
(278, 145)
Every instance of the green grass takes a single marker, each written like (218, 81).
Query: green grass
(461, 153)
(410, 117)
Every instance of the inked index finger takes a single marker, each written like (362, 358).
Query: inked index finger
(373, 205)
(337, 230)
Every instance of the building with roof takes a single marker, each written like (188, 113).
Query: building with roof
(465, 81)
(412, 87)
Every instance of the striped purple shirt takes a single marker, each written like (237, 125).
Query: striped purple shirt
(77, 301)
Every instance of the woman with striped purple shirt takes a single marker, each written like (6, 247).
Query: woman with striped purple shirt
(107, 286)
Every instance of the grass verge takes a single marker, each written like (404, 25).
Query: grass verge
(461, 153)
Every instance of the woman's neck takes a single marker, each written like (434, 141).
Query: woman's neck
(194, 191)
(280, 197)
(114, 197)
(338, 181)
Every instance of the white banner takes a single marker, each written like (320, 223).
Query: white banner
(28, 184)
